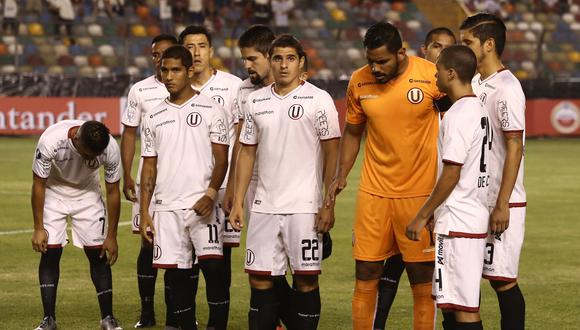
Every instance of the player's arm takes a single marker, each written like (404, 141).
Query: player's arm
(229, 194)
(325, 217)
(39, 236)
(113, 212)
(246, 159)
(499, 218)
(148, 179)
(348, 151)
(443, 188)
(204, 205)
(128, 139)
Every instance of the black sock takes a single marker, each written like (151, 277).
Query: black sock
(469, 325)
(48, 276)
(388, 286)
(228, 265)
(194, 274)
(284, 295)
(146, 277)
(180, 285)
(218, 294)
(449, 320)
(263, 314)
(170, 319)
(307, 309)
(102, 280)
(513, 308)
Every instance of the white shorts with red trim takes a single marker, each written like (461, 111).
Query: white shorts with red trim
(88, 221)
(231, 237)
(502, 252)
(457, 275)
(273, 240)
(135, 216)
(178, 232)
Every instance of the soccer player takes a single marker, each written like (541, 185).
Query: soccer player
(458, 203)
(66, 184)
(435, 41)
(143, 96)
(184, 150)
(222, 87)
(502, 95)
(288, 120)
(392, 98)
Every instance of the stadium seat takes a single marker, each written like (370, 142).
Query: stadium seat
(15, 49)
(143, 12)
(65, 60)
(35, 29)
(224, 52)
(95, 30)
(10, 68)
(132, 70)
(141, 61)
(86, 71)
(153, 30)
(60, 50)
(81, 60)
(102, 71)
(3, 49)
(35, 60)
(55, 69)
(106, 50)
(138, 30)
(95, 60)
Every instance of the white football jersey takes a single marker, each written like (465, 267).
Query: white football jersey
(288, 130)
(463, 140)
(222, 87)
(180, 136)
(70, 176)
(143, 96)
(504, 99)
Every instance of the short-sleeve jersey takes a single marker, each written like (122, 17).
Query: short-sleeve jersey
(180, 136)
(70, 176)
(463, 140)
(222, 87)
(503, 97)
(143, 96)
(246, 87)
(288, 131)
(400, 158)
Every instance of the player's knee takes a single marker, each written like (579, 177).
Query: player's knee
(368, 270)
(419, 272)
(261, 282)
(500, 286)
(306, 283)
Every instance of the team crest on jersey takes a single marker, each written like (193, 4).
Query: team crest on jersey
(483, 98)
(219, 100)
(295, 112)
(157, 252)
(415, 95)
(92, 163)
(250, 257)
(193, 119)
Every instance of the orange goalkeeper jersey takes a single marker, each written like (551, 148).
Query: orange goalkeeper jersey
(400, 157)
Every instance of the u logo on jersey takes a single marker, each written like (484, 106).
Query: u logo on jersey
(415, 95)
(295, 112)
(156, 252)
(250, 257)
(219, 100)
(193, 119)
(92, 163)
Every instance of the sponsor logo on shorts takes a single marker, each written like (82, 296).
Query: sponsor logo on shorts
(250, 257)
(194, 119)
(415, 95)
(157, 252)
(295, 111)
(440, 259)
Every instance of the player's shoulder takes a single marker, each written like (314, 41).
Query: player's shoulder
(507, 81)
(226, 76)
(260, 95)
(147, 84)
(422, 68)
(246, 84)
(315, 91)
(466, 108)
(362, 76)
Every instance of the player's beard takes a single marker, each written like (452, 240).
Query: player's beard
(256, 79)
(391, 75)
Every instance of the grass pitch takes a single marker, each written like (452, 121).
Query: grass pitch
(549, 272)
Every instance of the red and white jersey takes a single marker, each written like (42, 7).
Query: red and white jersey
(222, 87)
(463, 140)
(143, 96)
(288, 131)
(504, 99)
(70, 176)
(180, 136)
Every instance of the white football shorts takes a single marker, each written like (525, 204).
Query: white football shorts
(178, 232)
(273, 240)
(457, 275)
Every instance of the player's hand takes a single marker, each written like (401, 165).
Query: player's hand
(414, 228)
(39, 240)
(237, 217)
(129, 189)
(110, 249)
(228, 202)
(144, 223)
(203, 206)
(324, 220)
(499, 219)
(337, 185)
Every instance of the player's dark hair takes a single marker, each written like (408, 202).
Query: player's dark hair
(164, 37)
(178, 52)
(195, 29)
(486, 26)
(305, 68)
(461, 59)
(436, 31)
(383, 34)
(258, 36)
(287, 40)
(94, 136)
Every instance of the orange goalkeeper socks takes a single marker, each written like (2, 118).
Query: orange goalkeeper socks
(364, 302)
(423, 307)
